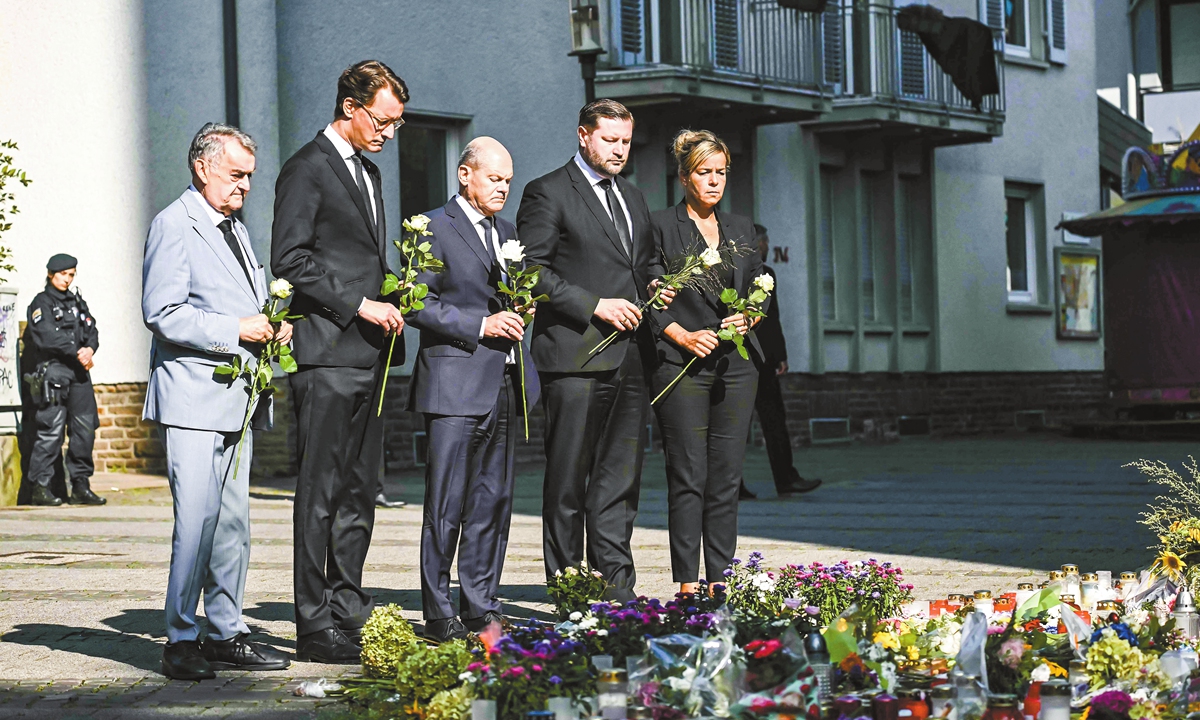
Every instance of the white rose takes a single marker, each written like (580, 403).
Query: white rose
(602, 632)
(512, 251)
(576, 616)
(765, 282)
(1041, 673)
(588, 623)
(416, 223)
(281, 288)
(710, 257)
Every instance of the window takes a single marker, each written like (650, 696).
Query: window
(866, 246)
(1182, 66)
(825, 250)
(424, 169)
(1023, 242)
(1016, 27)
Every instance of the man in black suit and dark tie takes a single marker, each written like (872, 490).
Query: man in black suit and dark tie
(768, 403)
(590, 229)
(466, 384)
(328, 240)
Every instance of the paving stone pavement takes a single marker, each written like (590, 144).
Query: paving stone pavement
(81, 589)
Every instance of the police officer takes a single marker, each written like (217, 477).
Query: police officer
(60, 341)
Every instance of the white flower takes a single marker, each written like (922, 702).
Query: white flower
(765, 282)
(417, 224)
(281, 288)
(466, 677)
(602, 632)
(710, 257)
(576, 616)
(572, 571)
(1041, 673)
(588, 622)
(512, 251)
(951, 644)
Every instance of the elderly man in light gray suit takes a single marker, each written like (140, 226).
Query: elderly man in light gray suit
(202, 297)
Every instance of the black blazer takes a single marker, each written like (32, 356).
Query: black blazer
(770, 333)
(456, 372)
(675, 234)
(324, 243)
(566, 230)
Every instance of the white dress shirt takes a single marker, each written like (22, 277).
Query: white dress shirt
(594, 179)
(346, 150)
(238, 231)
(476, 218)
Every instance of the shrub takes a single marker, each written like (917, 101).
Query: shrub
(430, 670)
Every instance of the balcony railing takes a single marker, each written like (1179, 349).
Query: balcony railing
(866, 56)
(753, 41)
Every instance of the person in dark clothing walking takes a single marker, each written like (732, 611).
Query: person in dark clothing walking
(768, 402)
(60, 342)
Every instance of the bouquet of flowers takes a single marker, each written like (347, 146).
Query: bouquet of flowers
(748, 306)
(778, 679)
(685, 676)
(877, 588)
(519, 289)
(691, 270)
(415, 257)
(575, 590)
(525, 668)
(258, 376)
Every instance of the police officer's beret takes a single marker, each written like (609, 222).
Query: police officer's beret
(60, 262)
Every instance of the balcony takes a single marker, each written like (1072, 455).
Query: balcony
(708, 58)
(884, 82)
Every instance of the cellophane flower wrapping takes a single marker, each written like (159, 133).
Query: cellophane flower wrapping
(778, 681)
(685, 676)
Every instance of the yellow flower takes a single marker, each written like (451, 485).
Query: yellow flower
(1056, 669)
(1169, 563)
(887, 640)
(842, 625)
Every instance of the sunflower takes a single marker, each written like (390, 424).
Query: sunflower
(1169, 563)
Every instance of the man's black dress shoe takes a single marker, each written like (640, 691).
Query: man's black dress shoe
(327, 646)
(354, 635)
(444, 629)
(798, 485)
(480, 624)
(41, 495)
(238, 654)
(745, 493)
(184, 661)
(382, 501)
(81, 494)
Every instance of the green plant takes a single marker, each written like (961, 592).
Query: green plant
(575, 590)
(452, 704)
(7, 205)
(1174, 518)
(387, 640)
(429, 670)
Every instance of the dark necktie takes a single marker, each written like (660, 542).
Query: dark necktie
(486, 223)
(618, 215)
(356, 158)
(235, 247)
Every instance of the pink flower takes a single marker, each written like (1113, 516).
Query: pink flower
(1011, 651)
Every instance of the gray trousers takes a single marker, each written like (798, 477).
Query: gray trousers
(210, 546)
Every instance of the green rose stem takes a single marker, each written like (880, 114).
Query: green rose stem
(519, 290)
(673, 382)
(417, 257)
(524, 396)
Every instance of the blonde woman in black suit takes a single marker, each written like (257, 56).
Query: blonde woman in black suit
(706, 416)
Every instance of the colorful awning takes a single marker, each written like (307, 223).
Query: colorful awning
(1161, 209)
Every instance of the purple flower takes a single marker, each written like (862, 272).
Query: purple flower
(875, 595)
(555, 680)
(728, 572)
(1113, 702)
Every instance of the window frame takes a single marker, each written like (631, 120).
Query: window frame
(1026, 50)
(1033, 197)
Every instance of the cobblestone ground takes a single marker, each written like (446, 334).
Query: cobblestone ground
(81, 590)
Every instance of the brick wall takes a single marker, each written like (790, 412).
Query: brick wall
(125, 442)
(954, 403)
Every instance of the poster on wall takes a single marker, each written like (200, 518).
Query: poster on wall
(1077, 296)
(10, 331)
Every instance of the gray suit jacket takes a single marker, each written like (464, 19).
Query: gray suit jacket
(194, 291)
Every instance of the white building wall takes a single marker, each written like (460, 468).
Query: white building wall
(1050, 138)
(74, 88)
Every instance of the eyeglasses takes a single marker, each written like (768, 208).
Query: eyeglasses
(381, 125)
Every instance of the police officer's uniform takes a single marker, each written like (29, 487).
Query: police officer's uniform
(60, 389)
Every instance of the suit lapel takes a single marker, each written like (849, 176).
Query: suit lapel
(338, 163)
(460, 222)
(588, 193)
(260, 278)
(211, 235)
